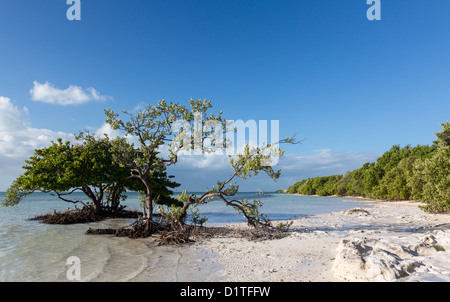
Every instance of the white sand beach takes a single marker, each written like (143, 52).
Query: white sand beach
(387, 241)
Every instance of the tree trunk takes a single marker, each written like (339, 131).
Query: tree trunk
(149, 201)
(115, 193)
(185, 208)
(148, 207)
(96, 201)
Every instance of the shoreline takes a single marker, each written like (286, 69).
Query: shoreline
(361, 198)
(385, 241)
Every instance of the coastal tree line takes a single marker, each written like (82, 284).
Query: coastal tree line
(418, 173)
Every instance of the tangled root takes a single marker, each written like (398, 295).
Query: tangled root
(138, 229)
(83, 216)
(176, 234)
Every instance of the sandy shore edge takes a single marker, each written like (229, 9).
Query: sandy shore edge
(381, 241)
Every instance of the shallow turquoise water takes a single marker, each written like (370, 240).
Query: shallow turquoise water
(33, 251)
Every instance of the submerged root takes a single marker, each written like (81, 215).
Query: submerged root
(69, 217)
(83, 216)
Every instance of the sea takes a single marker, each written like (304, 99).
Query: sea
(32, 251)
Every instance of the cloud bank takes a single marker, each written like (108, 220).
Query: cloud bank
(18, 140)
(196, 173)
(73, 95)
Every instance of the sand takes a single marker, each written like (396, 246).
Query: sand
(382, 241)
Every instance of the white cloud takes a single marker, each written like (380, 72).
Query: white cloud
(73, 95)
(18, 140)
(205, 161)
(106, 129)
(10, 115)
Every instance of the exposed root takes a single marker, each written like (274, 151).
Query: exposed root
(138, 229)
(177, 234)
(265, 234)
(174, 237)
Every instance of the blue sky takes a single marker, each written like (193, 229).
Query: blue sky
(350, 87)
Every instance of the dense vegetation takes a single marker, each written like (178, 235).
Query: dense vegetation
(63, 168)
(420, 173)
